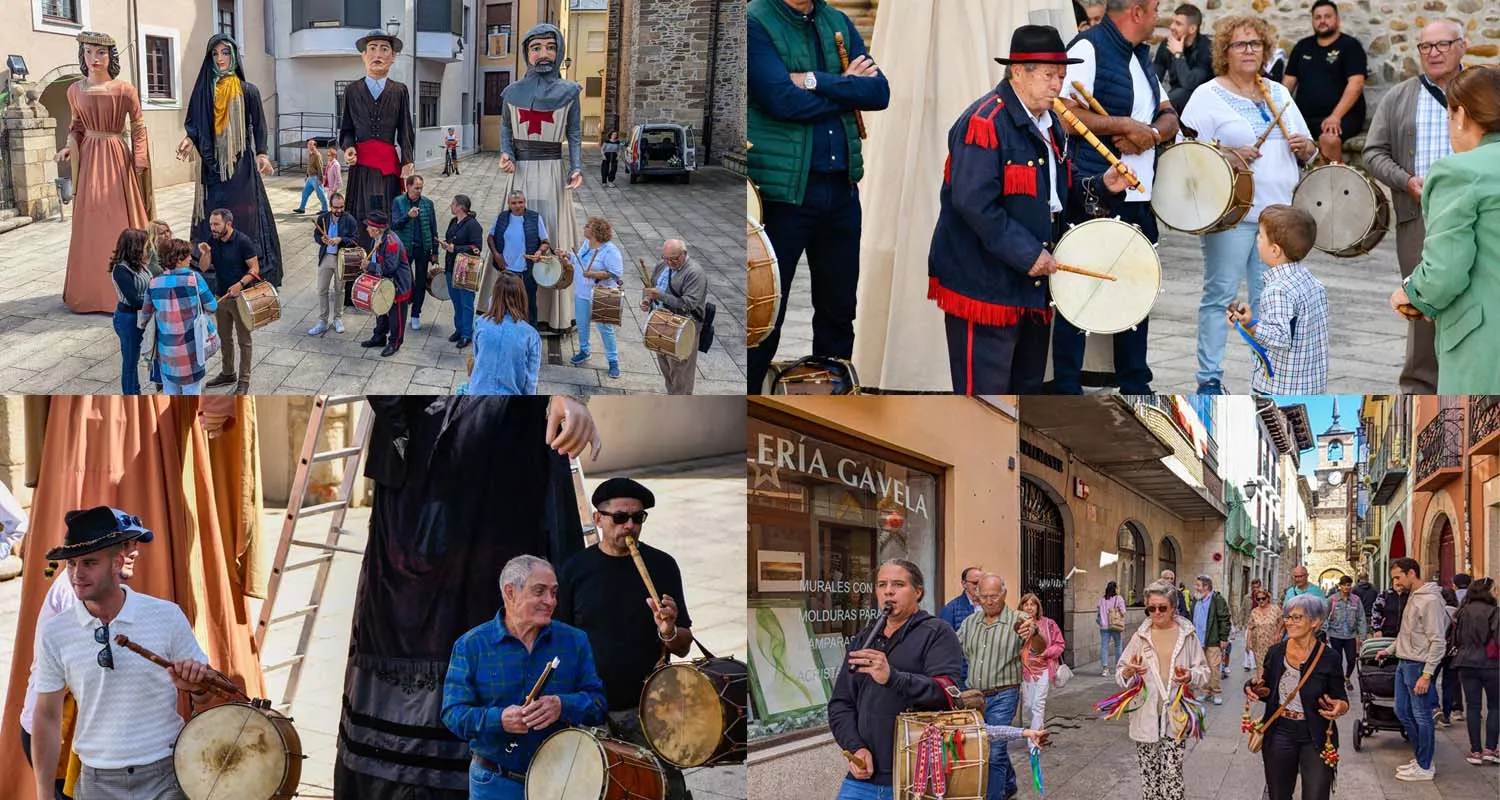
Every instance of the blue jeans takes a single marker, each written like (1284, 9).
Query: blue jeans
(309, 186)
(463, 308)
(168, 387)
(1227, 257)
(582, 308)
(1105, 637)
(130, 351)
(1001, 710)
(486, 785)
(852, 789)
(1415, 710)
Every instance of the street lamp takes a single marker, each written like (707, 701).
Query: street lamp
(393, 27)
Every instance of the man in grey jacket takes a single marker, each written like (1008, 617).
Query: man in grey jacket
(1419, 647)
(680, 286)
(1408, 134)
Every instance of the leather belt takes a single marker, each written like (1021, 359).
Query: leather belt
(991, 692)
(1294, 715)
(519, 777)
(527, 150)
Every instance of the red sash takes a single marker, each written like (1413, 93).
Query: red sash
(377, 154)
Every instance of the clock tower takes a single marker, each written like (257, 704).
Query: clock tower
(1335, 478)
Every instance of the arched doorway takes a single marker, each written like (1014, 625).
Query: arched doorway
(1132, 565)
(1042, 549)
(52, 94)
(1398, 543)
(1168, 558)
(1445, 556)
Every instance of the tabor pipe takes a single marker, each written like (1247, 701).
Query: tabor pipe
(640, 565)
(1088, 136)
(1269, 128)
(1265, 91)
(854, 759)
(1089, 100)
(541, 681)
(1088, 272)
(859, 116)
(885, 614)
(215, 683)
(645, 273)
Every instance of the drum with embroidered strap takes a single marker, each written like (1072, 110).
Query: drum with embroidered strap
(940, 754)
(763, 284)
(238, 751)
(1198, 189)
(576, 764)
(1352, 213)
(1113, 248)
(373, 293)
(259, 305)
(671, 335)
(467, 269)
(693, 713)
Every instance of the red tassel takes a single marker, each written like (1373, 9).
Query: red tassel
(980, 312)
(981, 131)
(1020, 180)
(948, 170)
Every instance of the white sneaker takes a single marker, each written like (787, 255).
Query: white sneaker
(1416, 774)
(317, 330)
(1218, 700)
(1104, 673)
(338, 326)
(416, 323)
(1407, 767)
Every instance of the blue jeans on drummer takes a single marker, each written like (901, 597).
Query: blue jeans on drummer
(463, 308)
(1001, 710)
(487, 785)
(852, 789)
(582, 308)
(1228, 258)
(130, 351)
(313, 184)
(1415, 710)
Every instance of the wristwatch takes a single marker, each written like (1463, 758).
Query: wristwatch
(810, 81)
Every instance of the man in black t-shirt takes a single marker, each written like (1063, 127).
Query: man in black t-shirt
(235, 262)
(601, 592)
(1326, 74)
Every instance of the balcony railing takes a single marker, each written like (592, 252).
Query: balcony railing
(1484, 421)
(1391, 458)
(1440, 448)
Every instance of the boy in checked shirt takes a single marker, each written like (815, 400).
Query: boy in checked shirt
(1293, 324)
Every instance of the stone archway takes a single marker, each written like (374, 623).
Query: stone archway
(1439, 551)
(1043, 555)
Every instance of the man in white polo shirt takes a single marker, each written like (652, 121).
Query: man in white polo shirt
(127, 706)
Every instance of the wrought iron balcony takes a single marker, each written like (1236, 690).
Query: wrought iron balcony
(1484, 424)
(1440, 450)
(1391, 458)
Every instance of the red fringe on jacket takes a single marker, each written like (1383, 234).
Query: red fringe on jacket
(980, 312)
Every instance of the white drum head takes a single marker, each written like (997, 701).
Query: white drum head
(1193, 186)
(547, 271)
(1342, 201)
(568, 766)
(229, 752)
(752, 203)
(1113, 248)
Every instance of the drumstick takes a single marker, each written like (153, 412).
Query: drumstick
(859, 116)
(854, 759)
(1081, 271)
(1088, 136)
(1265, 92)
(1275, 122)
(645, 273)
(1089, 100)
(216, 684)
(640, 565)
(541, 681)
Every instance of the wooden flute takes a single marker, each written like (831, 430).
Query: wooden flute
(1275, 122)
(1088, 136)
(859, 116)
(640, 565)
(1265, 91)
(216, 684)
(1089, 100)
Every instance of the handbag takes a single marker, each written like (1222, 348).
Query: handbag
(1258, 732)
(205, 335)
(1116, 619)
(1064, 674)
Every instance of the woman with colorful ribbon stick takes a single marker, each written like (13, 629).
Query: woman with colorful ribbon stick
(1162, 659)
(1302, 686)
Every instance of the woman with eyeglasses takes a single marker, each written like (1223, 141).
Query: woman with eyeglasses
(1307, 676)
(1477, 634)
(1456, 281)
(1232, 111)
(1264, 629)
(1165, 653)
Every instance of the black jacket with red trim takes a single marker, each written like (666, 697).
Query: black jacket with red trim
(994, 218)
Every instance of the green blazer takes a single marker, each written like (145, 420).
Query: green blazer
(1460, 269)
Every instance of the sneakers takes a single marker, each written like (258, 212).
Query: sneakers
(299, 211)
(614, 369)
(1218, 700)
(1407, 767)
(1211, 387)
(338, 326)
(1104, 673)
(416, 323)
(1456, 716)
(221, 380)
(1416, 774)
(318, 329)
(1475, 758)
(1492, 756)
(580, 358)
(1441, 721)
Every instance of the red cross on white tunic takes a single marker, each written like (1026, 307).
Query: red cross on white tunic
(533, 120)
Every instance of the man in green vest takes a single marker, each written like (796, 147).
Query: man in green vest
(805, 157)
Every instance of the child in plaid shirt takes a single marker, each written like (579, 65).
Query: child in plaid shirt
(1293, 323)
(176, 298)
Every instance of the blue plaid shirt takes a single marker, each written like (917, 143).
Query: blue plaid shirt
(1432, 131)
(491, 669)
(1294, 330)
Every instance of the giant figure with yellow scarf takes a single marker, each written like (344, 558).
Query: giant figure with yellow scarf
(226, 127)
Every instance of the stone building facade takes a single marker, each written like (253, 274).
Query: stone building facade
(679, 61)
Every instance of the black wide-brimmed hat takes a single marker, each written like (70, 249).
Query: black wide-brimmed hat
(375, 36)
(623, 487)
(1037, 44)
(93, 529)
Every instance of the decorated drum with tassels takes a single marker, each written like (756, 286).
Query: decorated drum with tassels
(941, 754)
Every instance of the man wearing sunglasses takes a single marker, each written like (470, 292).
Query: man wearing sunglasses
(601, 592)
(127, 706)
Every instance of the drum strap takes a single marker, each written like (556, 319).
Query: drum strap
(1437, 93)
(932, 763)
(667, 655)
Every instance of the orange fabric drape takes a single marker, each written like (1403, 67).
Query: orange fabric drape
(151, 456)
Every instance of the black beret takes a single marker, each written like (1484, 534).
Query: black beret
(623, 487)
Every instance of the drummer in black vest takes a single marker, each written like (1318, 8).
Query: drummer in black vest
(601, 592)
(1006, 182)
(1113, 63)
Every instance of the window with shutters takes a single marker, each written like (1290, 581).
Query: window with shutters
(596, 41)
(225, 19)
(593, 87)
(427, 104)
(65, 11)
(497, 30)
(159, 68)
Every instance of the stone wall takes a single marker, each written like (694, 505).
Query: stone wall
(729, 96)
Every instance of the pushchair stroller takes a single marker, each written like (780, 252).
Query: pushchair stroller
(1377, 691)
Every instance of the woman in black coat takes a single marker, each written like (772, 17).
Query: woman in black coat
(1294, 743)
(1474, 629)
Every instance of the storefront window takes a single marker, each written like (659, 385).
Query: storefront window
(822, 518)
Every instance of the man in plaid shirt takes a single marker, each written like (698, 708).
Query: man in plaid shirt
(1293, 324)
(495, 666)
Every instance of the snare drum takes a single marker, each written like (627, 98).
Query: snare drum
(671, 335)
(1114, 248)
(238, 752)
(467, 271)
(352, 263)
(693, 714)
(259, 305)
(1352, 213)
(1199, 190)
(763, 285)
(607, 305)
(373, 293)
(917, 732)
(574, 764)
(551, 273)
(437, 281)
